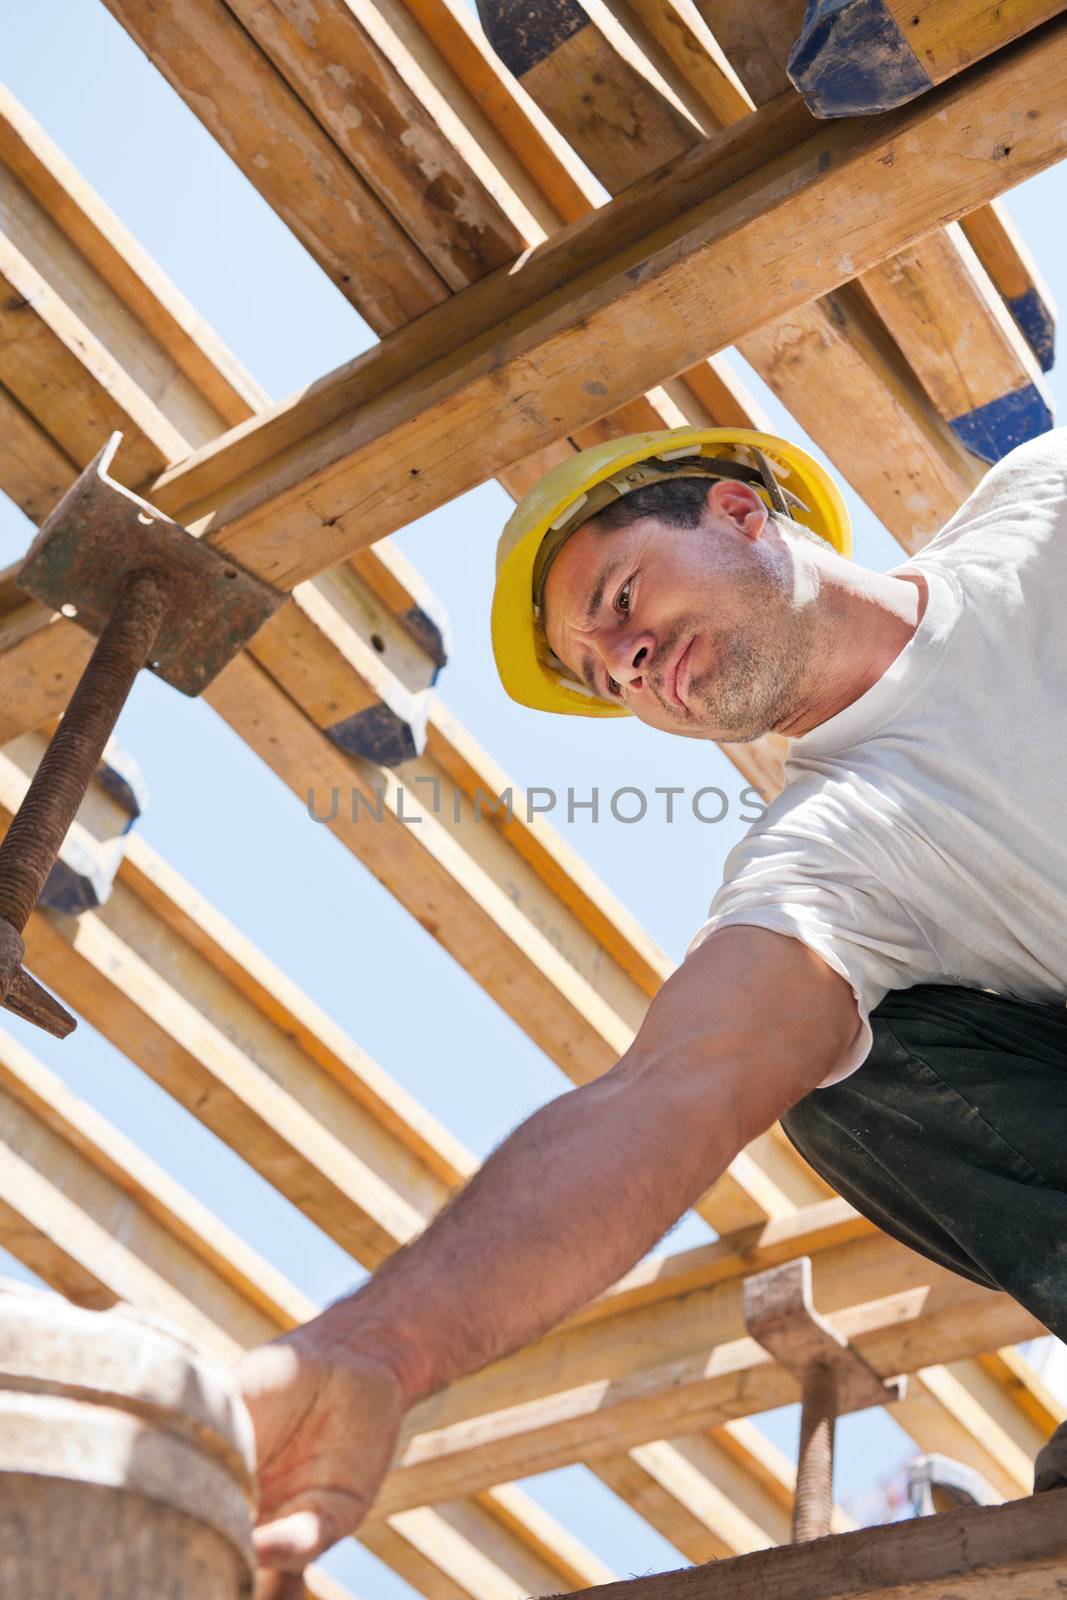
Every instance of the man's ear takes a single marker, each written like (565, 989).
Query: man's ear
(740, 504)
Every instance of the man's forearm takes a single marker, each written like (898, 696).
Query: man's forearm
(568, 1203)
(581, 1191)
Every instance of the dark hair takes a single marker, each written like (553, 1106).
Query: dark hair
(681, 501)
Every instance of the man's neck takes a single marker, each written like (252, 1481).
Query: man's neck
(867, 620)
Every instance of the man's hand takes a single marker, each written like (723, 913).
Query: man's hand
(326, 1419)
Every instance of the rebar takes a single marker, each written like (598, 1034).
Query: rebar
(813, 1501)
(58, 787)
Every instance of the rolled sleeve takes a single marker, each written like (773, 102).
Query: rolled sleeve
(810, 890)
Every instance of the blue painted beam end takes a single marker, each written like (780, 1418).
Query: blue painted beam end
(526, 32)
(1037, 324)
(82, 877)
(852, 59)
(429, 633)
(120, 777)
(990, 431)
(381, 734)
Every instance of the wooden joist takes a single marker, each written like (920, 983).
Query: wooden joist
(558, 54)
(90, 1214)
(590, 1390)
(406, 150)
(1003, 252)
(413, 431)
(858, 56)
(522, 145)
(940, 305)
(829, 362)
(56, 200)
(982, 1553)
(757, 40)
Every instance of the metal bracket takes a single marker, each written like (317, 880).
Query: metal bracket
(154, 596)
(101, 533)
(780, 1316)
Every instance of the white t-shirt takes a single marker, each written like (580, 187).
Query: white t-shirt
(922, 834)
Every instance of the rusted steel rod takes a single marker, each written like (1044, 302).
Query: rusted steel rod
(33, 841)
(813, 1502)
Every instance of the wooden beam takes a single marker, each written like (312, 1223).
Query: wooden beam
(404, 140)
(588, 87)
(35, 471)
(981, 1553)
(48, 210)
(702, 1390)
(672, 35)
(54, 366)
(936, 293)
(955, 331)
(265, 128)
(522, 144)
(1003, 252)
(418, 437)
(95, 1218)
(861, 56)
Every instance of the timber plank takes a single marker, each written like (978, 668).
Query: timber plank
(117, 258)
(61, 374)
(939, 304)
(981, 1553)
(1003, 252)
(864, 56)
(367, 103)
(209, 60)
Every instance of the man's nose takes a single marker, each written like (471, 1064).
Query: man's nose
(629, 659)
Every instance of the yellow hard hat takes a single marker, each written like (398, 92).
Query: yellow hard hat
(786, 476)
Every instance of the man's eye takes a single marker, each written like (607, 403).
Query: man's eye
(613, 687)
(623, 602)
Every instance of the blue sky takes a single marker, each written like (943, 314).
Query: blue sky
(232, 829)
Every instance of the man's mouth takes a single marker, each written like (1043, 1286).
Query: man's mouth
(676, 678)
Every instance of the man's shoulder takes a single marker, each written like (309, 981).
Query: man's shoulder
(1020, 502)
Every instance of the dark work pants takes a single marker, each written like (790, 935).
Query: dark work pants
(952, 1137)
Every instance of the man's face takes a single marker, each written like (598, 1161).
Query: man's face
(696, 630)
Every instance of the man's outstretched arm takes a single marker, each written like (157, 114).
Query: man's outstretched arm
(569, 1202)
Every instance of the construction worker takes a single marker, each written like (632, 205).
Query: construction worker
(884, 967)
